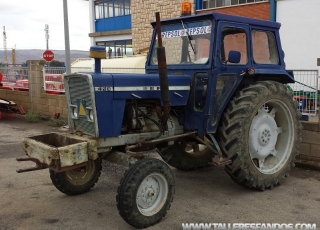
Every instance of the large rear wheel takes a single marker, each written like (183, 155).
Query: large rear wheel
(260, 132)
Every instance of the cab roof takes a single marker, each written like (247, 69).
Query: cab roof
(224, 17)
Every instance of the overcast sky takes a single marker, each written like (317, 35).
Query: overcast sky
(25, 22)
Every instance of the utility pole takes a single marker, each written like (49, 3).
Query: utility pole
(5, 54)
(46, 29)
(13, 55)
(66, 36)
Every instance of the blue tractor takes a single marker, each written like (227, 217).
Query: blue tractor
(213, 93)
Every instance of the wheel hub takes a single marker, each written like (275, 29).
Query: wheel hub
(151, 194)
(148, 195)
(263, 134)
(81, 176)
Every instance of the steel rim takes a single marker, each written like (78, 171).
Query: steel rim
(81, 176)
(271, 137)
(152, 194)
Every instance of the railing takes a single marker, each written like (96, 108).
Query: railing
(53, 79)
(306, 91)
(14, 77)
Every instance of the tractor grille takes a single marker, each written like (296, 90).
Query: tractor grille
(79, 89)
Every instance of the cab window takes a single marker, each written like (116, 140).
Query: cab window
(264, 47)
(234, 39)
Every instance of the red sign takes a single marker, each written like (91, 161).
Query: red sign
(48, 55)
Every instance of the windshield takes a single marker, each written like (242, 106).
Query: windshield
(185, 43)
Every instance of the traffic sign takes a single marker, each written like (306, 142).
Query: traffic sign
(48, 55)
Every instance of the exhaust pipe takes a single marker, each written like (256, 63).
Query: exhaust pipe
(163, 77)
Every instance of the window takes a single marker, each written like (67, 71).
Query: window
(99, 11)
(117, 49)
(185, 43)
(108, 9)
(206, 4)
(264, 47)
(112, 8)
(234, 39)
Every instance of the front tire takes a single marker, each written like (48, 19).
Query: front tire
(145, 193)
(260, 132)
(77, 181)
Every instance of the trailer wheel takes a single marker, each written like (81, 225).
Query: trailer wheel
(260, 132)
(145, 192)
(187, 155)
(77, 181)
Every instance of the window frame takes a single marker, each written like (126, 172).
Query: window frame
(108, 9)
(213, 4)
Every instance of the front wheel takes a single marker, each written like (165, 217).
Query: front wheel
(79, 180)
(145, 192)
(260, 132)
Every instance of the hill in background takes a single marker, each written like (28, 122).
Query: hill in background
(24, 55)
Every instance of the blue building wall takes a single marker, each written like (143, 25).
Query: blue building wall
(115, 23)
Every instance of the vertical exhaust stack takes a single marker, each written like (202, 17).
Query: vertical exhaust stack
(97, 52)
(163, 77)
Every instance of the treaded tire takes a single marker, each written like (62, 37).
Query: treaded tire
(77, 181)
(235, 129)
(180, 159)
(130, 195)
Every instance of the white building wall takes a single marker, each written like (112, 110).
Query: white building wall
(300, 32)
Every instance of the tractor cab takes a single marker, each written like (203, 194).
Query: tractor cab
(218, 52)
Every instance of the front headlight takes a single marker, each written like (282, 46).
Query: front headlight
(90, 114)
(75, 112)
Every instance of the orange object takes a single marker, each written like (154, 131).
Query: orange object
(185, 8)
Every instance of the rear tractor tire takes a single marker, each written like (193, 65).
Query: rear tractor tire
(77, 181)
(187, 155)
(145, 193)
(260, 132)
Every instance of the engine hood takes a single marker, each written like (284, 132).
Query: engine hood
(143, 86)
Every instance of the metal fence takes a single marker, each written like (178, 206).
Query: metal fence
(53, 79)
(14, 77)
(306, 91)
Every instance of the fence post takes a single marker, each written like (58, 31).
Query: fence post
(35, 75)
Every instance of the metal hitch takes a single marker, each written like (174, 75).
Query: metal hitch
(38, 166)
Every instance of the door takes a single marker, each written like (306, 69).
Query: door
(232, 43)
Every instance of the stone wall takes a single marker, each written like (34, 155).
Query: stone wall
(143, 12)
(310, 146)
(36, 99)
